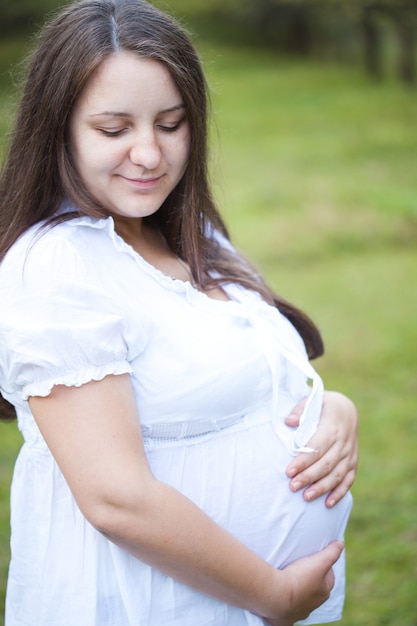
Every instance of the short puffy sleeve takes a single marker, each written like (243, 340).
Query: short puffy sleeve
(59, 321)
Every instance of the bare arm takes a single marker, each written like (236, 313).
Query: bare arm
(94, 434)
(333, 467)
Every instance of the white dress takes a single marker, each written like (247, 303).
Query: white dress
(213, 382)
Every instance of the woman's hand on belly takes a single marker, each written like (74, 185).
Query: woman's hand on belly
(332, 468)
(310, 581)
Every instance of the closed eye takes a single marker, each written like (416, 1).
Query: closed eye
(169, 129)
(111, 133)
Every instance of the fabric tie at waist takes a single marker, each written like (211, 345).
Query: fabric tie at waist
(186, 429)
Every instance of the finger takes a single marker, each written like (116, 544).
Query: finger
(336, 484)
(324, 474)
(332, 469)
(308, 467)
(302, 462)
(341, 490)
(333, 551)
(322, 477)
(323, 561)
(293, 419)
(326, 558)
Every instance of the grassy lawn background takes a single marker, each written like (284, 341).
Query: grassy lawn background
(314, 167)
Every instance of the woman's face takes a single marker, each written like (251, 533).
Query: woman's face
(130, 136)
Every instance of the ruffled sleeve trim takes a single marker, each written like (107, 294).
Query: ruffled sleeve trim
(76, 378)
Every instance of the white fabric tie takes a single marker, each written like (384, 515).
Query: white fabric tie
(268, 322)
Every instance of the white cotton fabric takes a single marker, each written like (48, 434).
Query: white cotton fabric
(213, 380)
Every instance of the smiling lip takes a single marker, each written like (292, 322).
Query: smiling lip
(144, 183)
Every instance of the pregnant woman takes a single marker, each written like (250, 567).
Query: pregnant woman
(151, 368)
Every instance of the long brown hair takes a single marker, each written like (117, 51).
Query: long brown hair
(38, 172)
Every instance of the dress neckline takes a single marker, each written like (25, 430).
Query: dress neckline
(166, 280)
(193, 295)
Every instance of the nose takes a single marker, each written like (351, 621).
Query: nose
(145, 150)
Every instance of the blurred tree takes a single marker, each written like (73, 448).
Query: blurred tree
(285, 24)
(334, 28)
(303, 26)
(406, 20)
(402, 15)
(372, 41)
(23, 15)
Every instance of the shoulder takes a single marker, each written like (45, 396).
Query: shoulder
(46, 254)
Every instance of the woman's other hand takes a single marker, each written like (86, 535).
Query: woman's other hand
(308, 583)
(332, 467)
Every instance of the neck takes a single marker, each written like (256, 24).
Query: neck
(129, 228)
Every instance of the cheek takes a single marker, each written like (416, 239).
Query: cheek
(91, 157)
(87, 164)
(184, 150)
(80, 155)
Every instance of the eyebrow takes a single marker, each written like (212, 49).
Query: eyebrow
(177, 107)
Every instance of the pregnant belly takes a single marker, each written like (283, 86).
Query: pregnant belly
(238, 478)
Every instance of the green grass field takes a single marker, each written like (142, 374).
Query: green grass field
(314, 167)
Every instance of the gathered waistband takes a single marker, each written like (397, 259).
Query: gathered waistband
(188, 429)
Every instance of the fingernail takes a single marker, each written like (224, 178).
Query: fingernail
(292, 472)
(295, 486)
(331, 503)
(309, 495)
